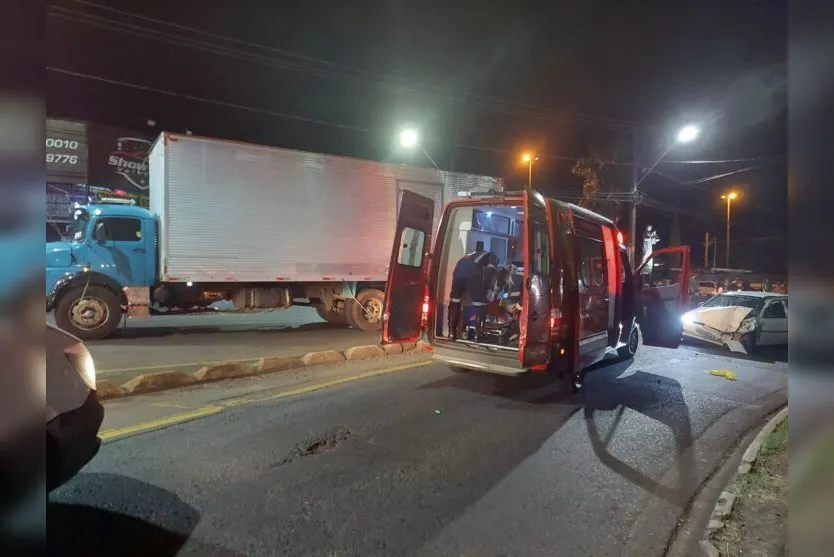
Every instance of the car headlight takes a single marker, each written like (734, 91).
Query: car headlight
(687, 318)
(82, 361)
(747, 325)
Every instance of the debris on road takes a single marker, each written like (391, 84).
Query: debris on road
(726, 374)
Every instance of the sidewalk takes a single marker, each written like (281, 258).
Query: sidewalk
(758, 522)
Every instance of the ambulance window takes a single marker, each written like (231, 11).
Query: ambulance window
(411, 247)
(592, 263)
(541, 249)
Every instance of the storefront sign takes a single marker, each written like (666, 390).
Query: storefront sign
(119, 160)
(66, 151)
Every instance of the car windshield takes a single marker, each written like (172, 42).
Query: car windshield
(723, 300)
(80, 221)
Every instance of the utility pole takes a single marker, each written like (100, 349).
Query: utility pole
(635, 179)
(728, 232)
(714, 253)
(706, 250)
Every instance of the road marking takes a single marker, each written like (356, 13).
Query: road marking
(324, 385)
(111, 434)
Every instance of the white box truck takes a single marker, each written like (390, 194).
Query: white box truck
(260, 226)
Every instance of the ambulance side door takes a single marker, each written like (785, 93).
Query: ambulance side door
(534, 341)
(662, 295)
(405, 292)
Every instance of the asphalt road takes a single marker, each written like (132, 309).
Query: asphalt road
(186, 341)
(417, 461)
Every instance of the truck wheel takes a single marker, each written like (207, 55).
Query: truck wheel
(630, 349)
(365, 311)
(93, 317)
(331, 316)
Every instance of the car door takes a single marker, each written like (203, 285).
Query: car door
(406, 293)
(661, 296)
(773, 324)
(120, 249)
(534, 340)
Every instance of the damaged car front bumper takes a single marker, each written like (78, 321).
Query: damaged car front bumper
(727, 326)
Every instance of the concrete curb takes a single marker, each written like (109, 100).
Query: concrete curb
(173, 378)
(724, 506)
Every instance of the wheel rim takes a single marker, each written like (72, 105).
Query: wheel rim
(372, 311)
(89, 313)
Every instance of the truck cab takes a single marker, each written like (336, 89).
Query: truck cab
(89, 277)
(567, 297)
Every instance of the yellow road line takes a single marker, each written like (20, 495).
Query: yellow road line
(318, 386)
(111, 434)
(160, 422)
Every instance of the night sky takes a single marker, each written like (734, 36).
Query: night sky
(482, 81)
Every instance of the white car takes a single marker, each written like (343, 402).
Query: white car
(73, 412)
(740, 320)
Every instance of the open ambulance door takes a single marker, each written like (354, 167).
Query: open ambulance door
(661, 296)
(406, 299)
(534, 340)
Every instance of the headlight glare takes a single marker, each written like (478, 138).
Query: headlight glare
(82, 362)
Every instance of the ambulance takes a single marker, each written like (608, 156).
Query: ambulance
(579, 299)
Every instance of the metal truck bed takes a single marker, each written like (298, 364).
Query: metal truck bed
(230, 211)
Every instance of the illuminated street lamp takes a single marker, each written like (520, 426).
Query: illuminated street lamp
(686, 134)
(529, 158)
(729, 197)
(410, 139)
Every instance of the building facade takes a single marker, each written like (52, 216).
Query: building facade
(86, 161)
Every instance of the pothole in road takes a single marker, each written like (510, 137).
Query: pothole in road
(317, 445)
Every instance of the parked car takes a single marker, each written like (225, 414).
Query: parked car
(73, 412)
(740, 320)
(707, 289)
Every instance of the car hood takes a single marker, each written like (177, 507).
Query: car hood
(725, 319)
(58, 254)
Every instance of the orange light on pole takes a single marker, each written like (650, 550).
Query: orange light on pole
(529, 158)
(729, 197)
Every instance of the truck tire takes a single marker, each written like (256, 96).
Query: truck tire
(331, 316)
(628, 351)
(365, 311)
(94, 317)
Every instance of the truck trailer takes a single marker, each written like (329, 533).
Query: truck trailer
(261, 227)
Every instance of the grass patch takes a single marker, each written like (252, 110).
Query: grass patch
(757, 523)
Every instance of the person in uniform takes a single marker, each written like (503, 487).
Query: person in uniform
(474, 276)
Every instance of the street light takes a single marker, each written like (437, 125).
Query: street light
(686, 134)
(410, 139)
(529, 158)
(729, 197)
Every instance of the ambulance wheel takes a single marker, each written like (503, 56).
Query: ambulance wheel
(331, 316)
(628, 351)
(94, 316)
(365, 311)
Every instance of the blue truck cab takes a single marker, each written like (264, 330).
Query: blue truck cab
(110, 259)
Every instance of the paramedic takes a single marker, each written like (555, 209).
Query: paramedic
(473, 275)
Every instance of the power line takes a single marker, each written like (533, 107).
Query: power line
(373, 78)
(268, 112)
(724, 175)
(205, 100)
(728, 161)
